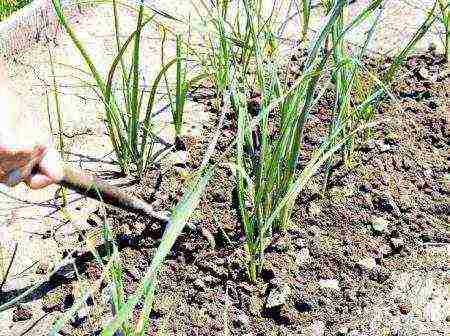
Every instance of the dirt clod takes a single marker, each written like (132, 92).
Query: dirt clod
(22, 313)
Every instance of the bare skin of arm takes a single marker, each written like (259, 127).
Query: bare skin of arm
(36, 164)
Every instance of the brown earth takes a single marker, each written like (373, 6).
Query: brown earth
(369, 256)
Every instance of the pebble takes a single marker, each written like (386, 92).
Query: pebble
(318, 328)
(369, 145)
(404, 308)
(314, 209)
(444, 74)
(314, 231)
(365, 187)
(407, 163)
(329, 284)
(42, 268)
(343, 331)
(378, 164)
(303, 306)
(83, 313)
(278, 296)
(179, 158)
(303, 256)
(385, 250)
(420, 183)
(385, 147)
(242, 320)
(425, 237)
(281, 245)
(368, 263)
(397, 243)
(219, 197)
(406, 203)
(80, 317)
(428, 173)
(199, 284)
(386, 203)
(379, 224)
(432, 105)
(424, 74)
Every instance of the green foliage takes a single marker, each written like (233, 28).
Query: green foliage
(7, 7)
(249, 72)
(444, 16)
(128, 119)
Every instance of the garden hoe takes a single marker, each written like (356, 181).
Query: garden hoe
(95, 188)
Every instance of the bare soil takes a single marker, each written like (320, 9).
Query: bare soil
(369, 256)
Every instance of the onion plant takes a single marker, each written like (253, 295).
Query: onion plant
(269, 140)
(356, 84)
(129, 110)
(444, 11)
(7, 7)
(348, 80)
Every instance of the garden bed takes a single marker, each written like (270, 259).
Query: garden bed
(367, 257)
(365, 253)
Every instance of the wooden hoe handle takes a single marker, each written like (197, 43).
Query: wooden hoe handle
(95, 188)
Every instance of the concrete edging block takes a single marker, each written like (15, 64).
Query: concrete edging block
(35, 22)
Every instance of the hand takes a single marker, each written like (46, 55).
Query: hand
(20, 158)
(37, 166)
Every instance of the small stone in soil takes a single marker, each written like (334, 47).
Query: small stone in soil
(432, 105)
(385, 147)
(424, 74)
(303, 306)
(218, 197)
(318, 328)
(343, 331)
(314, 209)
(397, 243)
(80, 317)
(444, 74)
(22, 313)
(367, 263)
(277, 296)
(425, 237)
(385, 250)
(242, 321)
(386, 203)
(179, 158)
(365, 187)
(404, 308)
(369, 145)
(42, 268)
(407, 163)
(406, 202)
(314, 231)
(379, 224)
(303, 256)
(199, 284)
(329, 284)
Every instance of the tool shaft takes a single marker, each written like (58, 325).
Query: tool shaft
(95, 188)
